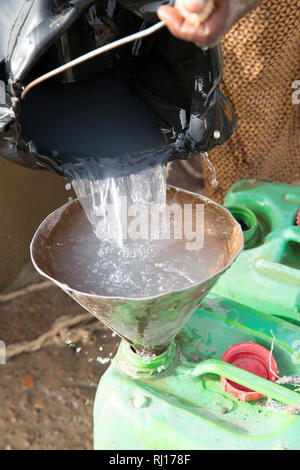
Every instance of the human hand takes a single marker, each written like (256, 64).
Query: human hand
(207, 34)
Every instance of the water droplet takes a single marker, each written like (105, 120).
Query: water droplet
(104, 360)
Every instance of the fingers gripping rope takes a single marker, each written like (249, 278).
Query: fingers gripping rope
(190, 17)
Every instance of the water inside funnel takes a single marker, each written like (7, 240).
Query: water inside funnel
(139, 268)
(129, 242)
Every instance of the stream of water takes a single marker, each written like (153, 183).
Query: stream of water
(107, 261)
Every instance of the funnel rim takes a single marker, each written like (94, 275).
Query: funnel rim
(67, 288)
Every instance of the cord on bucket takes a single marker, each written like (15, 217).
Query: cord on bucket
(92, 54)
(193, 18)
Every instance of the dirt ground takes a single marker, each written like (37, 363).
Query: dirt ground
(46, 397)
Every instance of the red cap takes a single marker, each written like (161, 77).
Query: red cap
(298, 219)
(253, 358)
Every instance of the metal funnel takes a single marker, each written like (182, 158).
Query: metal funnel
(149, 323)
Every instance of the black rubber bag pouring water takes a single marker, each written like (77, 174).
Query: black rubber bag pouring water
(145, 103)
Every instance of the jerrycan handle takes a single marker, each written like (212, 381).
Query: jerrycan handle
(292, 234)
(244, 378)
(275, 269)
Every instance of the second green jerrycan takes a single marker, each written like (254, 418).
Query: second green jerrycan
(269, 266)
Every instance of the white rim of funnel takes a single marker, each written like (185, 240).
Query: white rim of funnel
(65, 287)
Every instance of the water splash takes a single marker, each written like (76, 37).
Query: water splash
(105, 200)
(214, 181)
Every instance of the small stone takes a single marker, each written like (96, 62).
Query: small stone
(27, 382)
(40, 404)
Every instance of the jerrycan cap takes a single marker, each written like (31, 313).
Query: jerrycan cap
(253, 358)
(298, 219)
